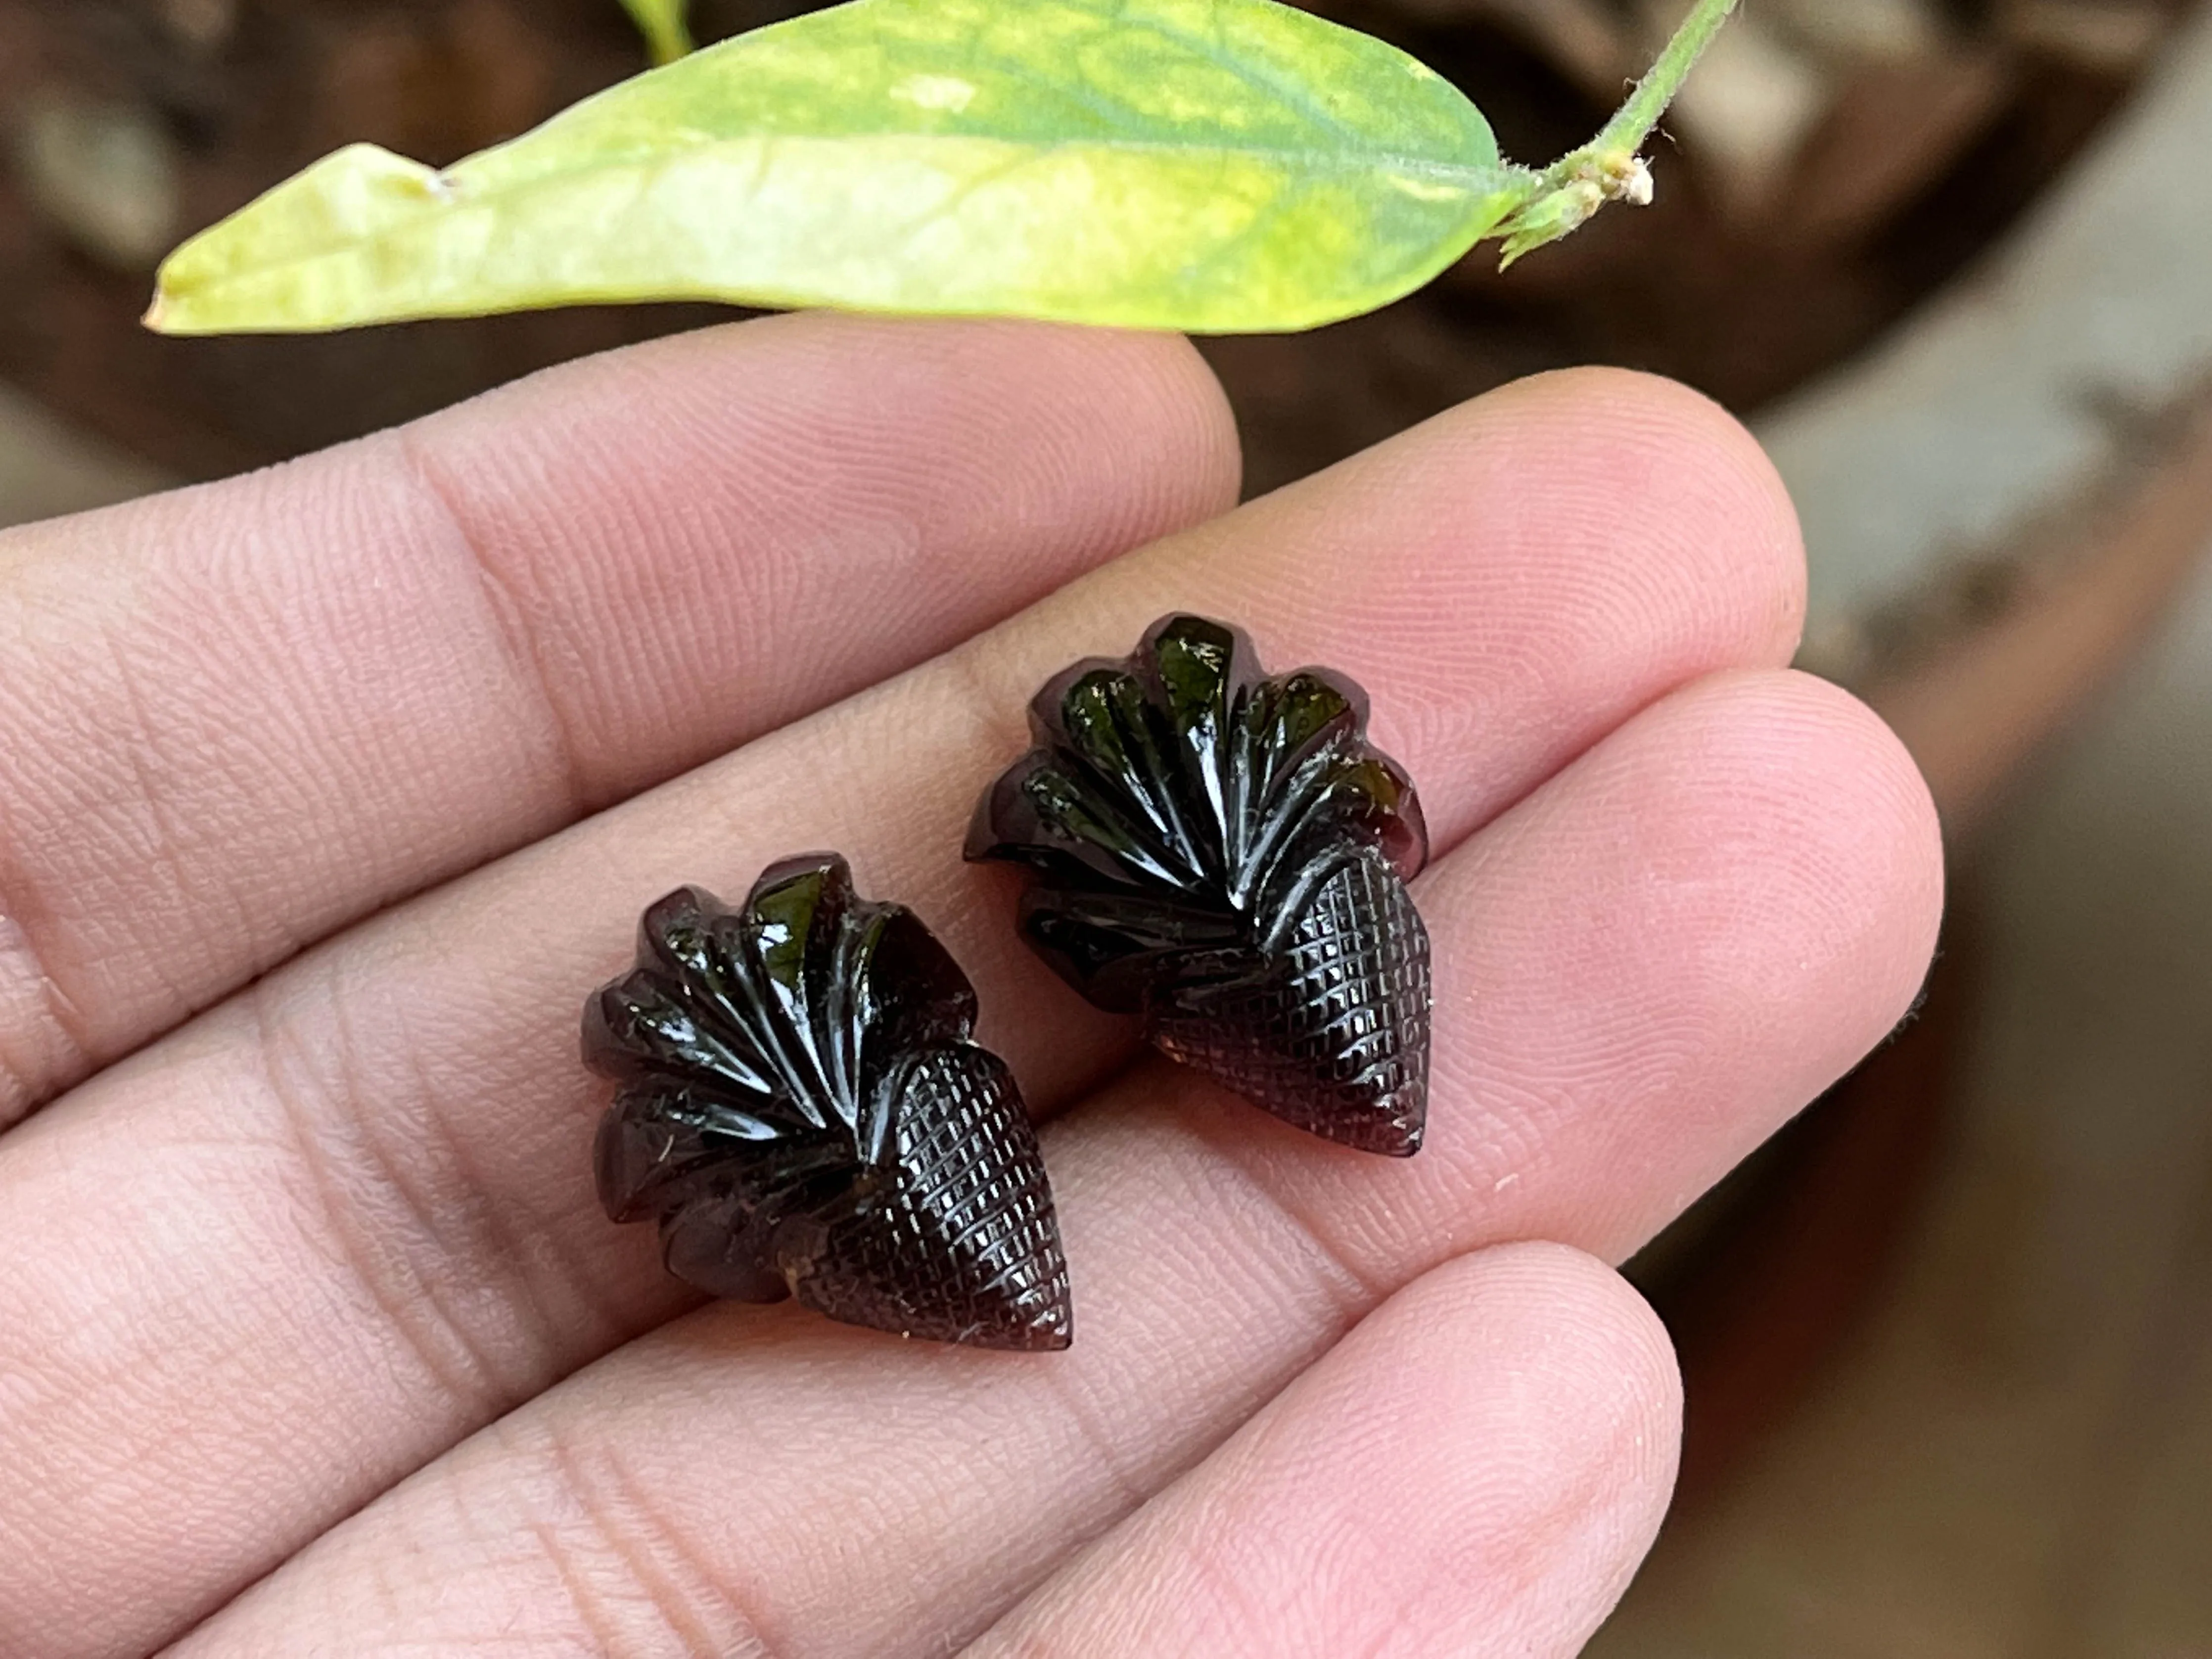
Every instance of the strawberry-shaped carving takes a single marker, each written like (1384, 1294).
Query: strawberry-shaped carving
(1226, 855)
(803, 1113)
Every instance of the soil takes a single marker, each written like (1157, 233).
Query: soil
(238, 94)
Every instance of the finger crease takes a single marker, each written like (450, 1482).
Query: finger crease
(499, 1239)
(1001, 723)
(25, 1084)
(438, 1343)
(1353, 1292)
(692, 1602)
(167, 844)
(602, 1636)
(1233, 1592)
(28, 1080)
(1106, 1455)
(432, 1146)
(516, 639)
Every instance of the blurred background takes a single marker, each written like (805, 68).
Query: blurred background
(1949, 1340)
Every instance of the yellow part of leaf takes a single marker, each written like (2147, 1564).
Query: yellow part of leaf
(1211, 166)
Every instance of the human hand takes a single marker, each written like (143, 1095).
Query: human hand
(313, 1283)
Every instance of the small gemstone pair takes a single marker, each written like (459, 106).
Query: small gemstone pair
(803, 1109)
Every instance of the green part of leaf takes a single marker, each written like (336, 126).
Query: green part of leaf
(664, 26)
(1210, 165)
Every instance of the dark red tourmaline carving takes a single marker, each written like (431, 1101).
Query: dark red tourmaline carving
(803, 1113)
(1226, 855)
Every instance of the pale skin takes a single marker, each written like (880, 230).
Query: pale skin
(326, 796)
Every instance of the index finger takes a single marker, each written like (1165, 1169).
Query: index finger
(234, 719)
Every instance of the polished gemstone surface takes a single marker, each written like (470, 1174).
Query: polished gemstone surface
(803, 1113)
(1226, 855)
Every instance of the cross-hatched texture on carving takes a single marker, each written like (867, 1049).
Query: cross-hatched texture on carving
(1226, 854)
(1332, 1033)
(961, 1245)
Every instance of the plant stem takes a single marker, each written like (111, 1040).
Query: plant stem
(664, 26)
(1624, 134)
(1561, 198)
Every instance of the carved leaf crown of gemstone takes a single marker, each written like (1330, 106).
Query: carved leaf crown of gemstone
(804, 1112)
(1225, 853)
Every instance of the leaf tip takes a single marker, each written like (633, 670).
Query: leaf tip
(168, 313)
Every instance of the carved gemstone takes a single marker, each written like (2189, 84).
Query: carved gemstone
(803, 1113)
(1226, 855)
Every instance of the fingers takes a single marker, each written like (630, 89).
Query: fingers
(1733, 898)
(235, 718)
(360, 1198)
(1653, 960)
(1476, 1469)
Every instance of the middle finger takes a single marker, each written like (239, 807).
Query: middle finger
(334, 1227)
(1674, 942)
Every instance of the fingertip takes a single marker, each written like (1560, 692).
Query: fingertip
(1554, 1410)
(1577, 544)
(1186, 429)
(1510, 1421)
(1143, 409)
(1783, 892)
(1850, 817)
(1654, 469)
(1892, 797)
(1601, 1390)
(1132, 417)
